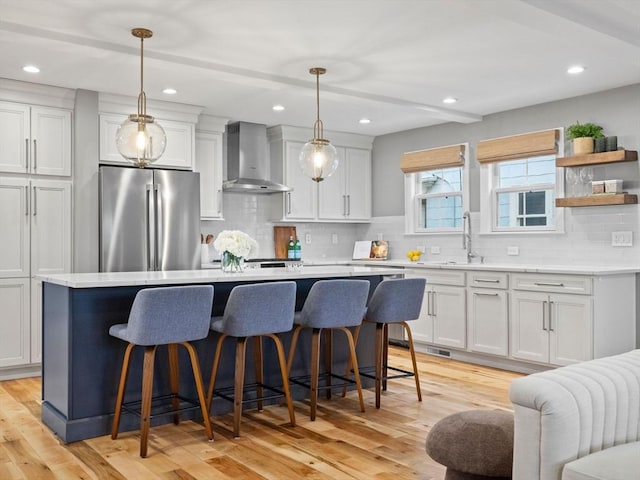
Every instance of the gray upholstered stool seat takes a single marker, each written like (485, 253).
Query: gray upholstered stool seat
(330, 305)
(258, 310)
(393, 301)
(473, 445)
(169, 316)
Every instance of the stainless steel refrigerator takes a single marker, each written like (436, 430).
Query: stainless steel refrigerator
(149, 219)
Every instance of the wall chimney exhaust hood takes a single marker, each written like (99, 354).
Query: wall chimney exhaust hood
(248, 160)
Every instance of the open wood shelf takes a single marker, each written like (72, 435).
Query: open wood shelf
(596, 200)
(597, 158)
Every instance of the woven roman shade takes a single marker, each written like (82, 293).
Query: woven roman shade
(432, 159)
(518, 146)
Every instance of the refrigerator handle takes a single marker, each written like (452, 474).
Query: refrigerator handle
(158, 245)
(150, 213)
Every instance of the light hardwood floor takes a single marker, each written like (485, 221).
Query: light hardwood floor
(343, 443)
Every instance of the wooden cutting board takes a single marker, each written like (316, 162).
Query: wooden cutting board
(281, 240)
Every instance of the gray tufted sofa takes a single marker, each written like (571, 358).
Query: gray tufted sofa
(579, 422)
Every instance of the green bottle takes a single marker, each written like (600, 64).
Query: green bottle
(297, 250)
(291, 249)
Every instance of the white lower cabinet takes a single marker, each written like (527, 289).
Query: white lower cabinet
(15, 326)
(551, 328)
(442, 319)
(488, 319)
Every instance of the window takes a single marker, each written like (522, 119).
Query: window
(436, 189)
(519, 182)
(525, 193)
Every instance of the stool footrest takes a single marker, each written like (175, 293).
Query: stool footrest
(226, 393)
(304, 380)
(366, 372)
(160, 406)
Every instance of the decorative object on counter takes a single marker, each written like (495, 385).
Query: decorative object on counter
(291, 249)
(234, 247)
(611, 143)
(600, 145)
(414, 255)
(318, 158)
(297, 250)
(582, 135)
(140, 139)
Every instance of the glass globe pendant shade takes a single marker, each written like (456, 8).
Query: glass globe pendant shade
(318, 159)
(141, 140)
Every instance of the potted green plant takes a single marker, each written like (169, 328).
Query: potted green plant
(582, 135)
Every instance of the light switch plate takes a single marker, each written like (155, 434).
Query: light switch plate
(435, 250)
(307, 238)
(621, 239)
(513, 250)
(334, 238)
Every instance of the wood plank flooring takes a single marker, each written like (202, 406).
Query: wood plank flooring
(343, 443)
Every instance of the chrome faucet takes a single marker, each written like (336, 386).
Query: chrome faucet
(466, 238)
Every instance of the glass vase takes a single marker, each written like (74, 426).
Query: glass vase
(231, 264)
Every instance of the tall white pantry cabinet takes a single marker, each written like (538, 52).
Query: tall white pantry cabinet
(35, 214)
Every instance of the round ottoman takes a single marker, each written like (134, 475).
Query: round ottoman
(473, 445)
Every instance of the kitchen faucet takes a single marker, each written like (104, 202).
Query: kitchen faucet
(466, 237)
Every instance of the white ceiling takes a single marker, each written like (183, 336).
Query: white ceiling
(392, 61)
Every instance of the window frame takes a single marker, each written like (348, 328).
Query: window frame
(412, 196)
(489, 190)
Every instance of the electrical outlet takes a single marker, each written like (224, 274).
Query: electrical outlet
(307, 238)
(513, 250)
(621, 239)
(380, 237)
(421, 248)
(435, 250)
(334, 238)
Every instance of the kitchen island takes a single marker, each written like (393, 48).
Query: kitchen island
(81, 361)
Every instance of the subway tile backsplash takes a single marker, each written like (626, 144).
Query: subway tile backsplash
(587, 237)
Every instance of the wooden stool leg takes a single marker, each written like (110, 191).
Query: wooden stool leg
(292, 347)
(197, 377)
(238, 384)
(285, 379)
(354, 360)
(214, 370)
(147, 391)
(174, 380)
(257, 353)
(385, 355)
(328, 359)
(413, 359)
(378, 361)
(121, 387)
(315, 370)
(347, 373)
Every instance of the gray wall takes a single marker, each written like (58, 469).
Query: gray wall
(618, 111)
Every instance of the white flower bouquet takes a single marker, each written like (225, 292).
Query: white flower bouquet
(236, 243)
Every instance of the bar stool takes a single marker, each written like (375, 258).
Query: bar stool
(169, 316)
(330, 305)
(258, 310)
(393, 301)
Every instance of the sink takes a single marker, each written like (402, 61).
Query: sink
(448, 262)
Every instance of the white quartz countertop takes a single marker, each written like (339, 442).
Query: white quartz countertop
(182, 277)
(509, 267)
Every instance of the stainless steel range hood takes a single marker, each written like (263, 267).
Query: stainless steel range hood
(248, 160)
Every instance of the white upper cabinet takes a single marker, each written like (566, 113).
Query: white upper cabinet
(35, 139)
(15, 220)
(180, 142)
(346, 195)
(208, 162)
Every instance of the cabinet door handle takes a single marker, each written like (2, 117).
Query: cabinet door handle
(544, 315)
(487, 280)
(348, 205)
(429, 303)
(288, 200)
(35, 155)
(486, 294)
(344, 205)
(26, 201)
(551, 329)
(435, 305)
(26, 153)
(35, 201)
(548, 284)
(219, 201)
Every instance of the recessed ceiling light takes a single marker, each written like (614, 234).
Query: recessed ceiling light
(170, 91)
(450, 100)
(31, 69)
(575, 69)
(365, 121)
(278, 108)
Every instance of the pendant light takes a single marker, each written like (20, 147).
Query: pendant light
(318, 158)
(140, 139)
